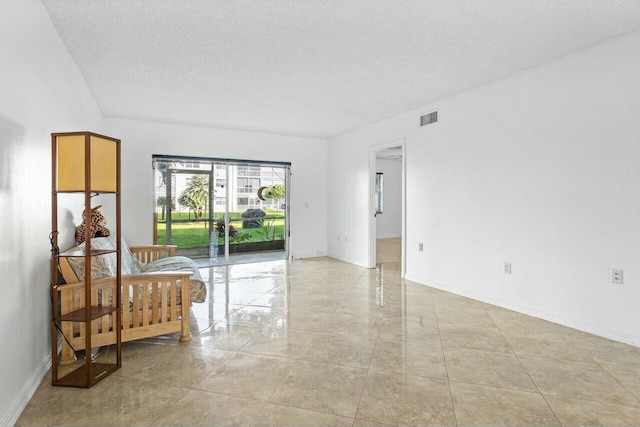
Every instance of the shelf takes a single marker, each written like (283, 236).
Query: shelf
(82, 191)
(93, 252)
(79, 315)
(78, 377)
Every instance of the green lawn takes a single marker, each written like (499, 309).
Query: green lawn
(196, 234)
(218, 215)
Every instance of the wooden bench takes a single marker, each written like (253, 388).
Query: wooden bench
(154, 304)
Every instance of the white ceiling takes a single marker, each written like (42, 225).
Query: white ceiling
(314, 67)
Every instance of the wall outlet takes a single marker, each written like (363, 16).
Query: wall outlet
(616, 276)
(420, 247)
(507, 268)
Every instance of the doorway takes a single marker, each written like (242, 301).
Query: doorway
(387, 223)
(220, 211)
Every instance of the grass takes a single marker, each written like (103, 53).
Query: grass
(218, 215)
(196, 234)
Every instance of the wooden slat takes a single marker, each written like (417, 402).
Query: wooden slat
(136, 306)
(174, 301)
(125, 312)
(96, 324)
(147, 254)
(163, 286)
(145, 304)
(154, 303)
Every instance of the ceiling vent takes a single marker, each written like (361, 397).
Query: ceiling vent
(429, 118)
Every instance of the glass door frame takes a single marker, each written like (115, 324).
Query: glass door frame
(227, 163)
(169, 190)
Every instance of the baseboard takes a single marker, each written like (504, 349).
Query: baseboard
(15, 410)
(541, 313)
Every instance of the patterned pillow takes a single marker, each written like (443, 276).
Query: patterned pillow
(130, 264)
(101, 265)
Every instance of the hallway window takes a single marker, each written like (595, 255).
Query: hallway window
(379, 192)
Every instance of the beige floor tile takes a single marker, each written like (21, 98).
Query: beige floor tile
(417, 300)
(280, 342)
(322, 387)
(278, 415)
(405, 400)
(486, 339)
(573, 379)
(226, 336)
(473, 317)
(114, 401)
(248, 375)
(490, 369)
(548, 345)
(445, 299)
(603, 350)
(574, 412)
(257, 316)
(627, 376)
(351, 325)
(365, 423)
(200, 408)
(183, 365)
(414, 330)
(387, 249)
(517, 325)
(410, 359)
(212, 311)
(234, 296)
(487, 406)
(340, 350)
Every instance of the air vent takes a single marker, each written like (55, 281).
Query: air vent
(427, 119)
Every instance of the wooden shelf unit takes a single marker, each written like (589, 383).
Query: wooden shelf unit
(85, 163)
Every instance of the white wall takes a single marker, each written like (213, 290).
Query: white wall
(41, 91)
(308, 157)
(541, 169)
(389, 222)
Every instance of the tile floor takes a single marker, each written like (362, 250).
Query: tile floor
(323, 343)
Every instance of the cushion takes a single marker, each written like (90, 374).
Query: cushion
(101, 266)
(105, 265)
(180, 263)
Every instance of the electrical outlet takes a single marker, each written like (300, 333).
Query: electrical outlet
(507, 268)
(616, 276)
(420, 247)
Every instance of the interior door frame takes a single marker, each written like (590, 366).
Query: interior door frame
(401, 142)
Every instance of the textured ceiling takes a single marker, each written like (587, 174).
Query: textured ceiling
(314, 67)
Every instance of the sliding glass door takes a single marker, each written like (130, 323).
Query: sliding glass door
(222, 211)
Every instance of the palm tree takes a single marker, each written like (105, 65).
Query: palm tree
(196, 196)
(162, 202)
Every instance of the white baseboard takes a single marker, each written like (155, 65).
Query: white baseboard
(539, 312)
(15, 410)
